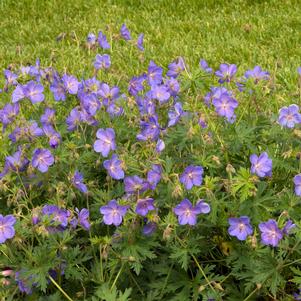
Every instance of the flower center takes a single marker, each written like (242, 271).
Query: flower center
(187, 212)
(241, 227)
(257, 166)
(115, 212)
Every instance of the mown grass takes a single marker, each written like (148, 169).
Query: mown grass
(242, 32)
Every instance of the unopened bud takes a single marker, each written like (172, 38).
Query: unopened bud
(216, 160)
(167, 233)
(7, 272)
(230, 169)
(5, 282)
(177, 191)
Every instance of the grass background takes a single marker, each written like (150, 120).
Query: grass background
(247, 33)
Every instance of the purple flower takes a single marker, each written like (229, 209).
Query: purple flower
(203, 206)
(146, 105)
(216, 92)
(87, 118)
(48, 116)
(136, 85)
(113, 213)
(24, 70)
(299, 70)
(114, 167)
(175, 68)
(34, 130)
(135, 184)
(77, 181)
(226, 72)
(9, 113)
(173, 86)
(150, 130)
(24, 284)
(289, 225)
(58, 90)
(262, 165)
(160, 146)
(289, 116)
(140, 42)
(105, 142)
(70, 83)
(73, 119)
(102, 41)
(270, 233)
(240, 227)
(192, 176)
(7, 230)
(225, 105)
(59, 217)
(257, 74)
(54, 137)
(42, 159)
(154, 74)
(297, 182)
(175, 114)
(154, 176)
(187, 213)
(34, 92)
(114, 110)
(83, 217)
(204, 66)
(91, 104)
(202, 123)
(108, 94)
(18, 94)
(144, 206)
(160, 93)
(10, 78)
(16, 162)
(89, 86)
(102, 61)
(297, 296)
(149, 228)
(91, 39)
(125, 33)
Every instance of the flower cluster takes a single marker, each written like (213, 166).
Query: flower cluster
(140, 158)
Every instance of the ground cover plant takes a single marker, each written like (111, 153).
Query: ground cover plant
(133, 176)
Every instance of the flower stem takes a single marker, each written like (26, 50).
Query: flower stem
(202, 271)
(60, 289)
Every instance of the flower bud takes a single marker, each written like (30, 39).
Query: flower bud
(230, 169)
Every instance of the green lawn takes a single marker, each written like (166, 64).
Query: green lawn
(247, 33)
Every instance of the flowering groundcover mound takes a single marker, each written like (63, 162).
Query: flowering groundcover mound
(181, 183)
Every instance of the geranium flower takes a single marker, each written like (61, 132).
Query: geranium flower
(114, 167)
(105, 142)
(113, 213)
(192, 176)
(262, 165)
(240, 227)
(7, 230)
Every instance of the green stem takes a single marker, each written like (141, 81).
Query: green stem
(117, 276)
(202, 271)
(100, 262)
(60, 289)
(139, 288)
(166, 280)
(251, 294)
(293, 262)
